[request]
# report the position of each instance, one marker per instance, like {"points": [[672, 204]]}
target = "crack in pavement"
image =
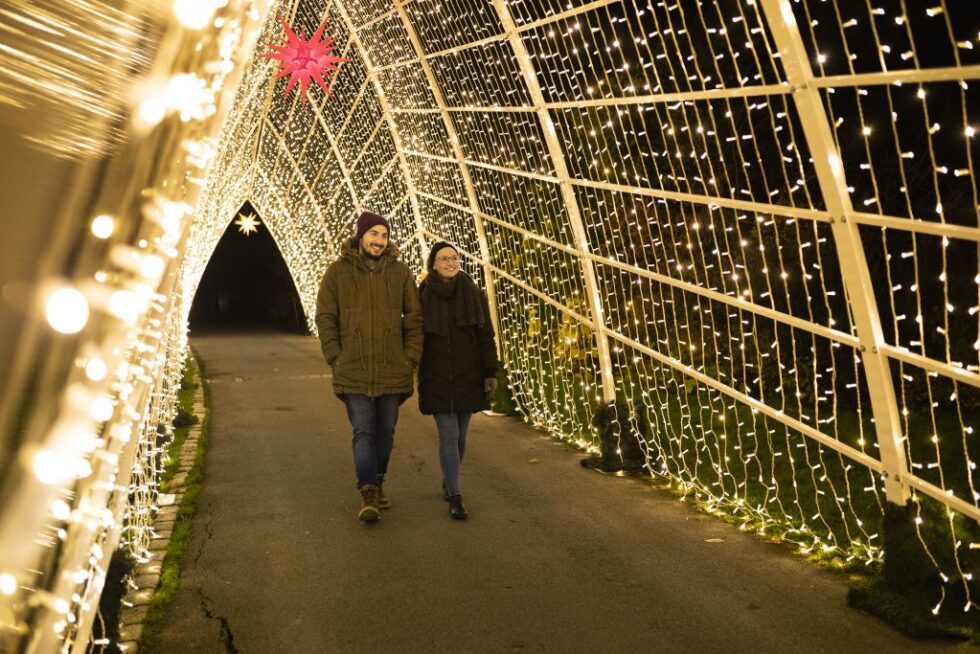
{"points": [[226, 634], [209, 536]]}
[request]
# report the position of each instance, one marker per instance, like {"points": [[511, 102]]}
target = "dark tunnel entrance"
{"points": [[246, 284]]}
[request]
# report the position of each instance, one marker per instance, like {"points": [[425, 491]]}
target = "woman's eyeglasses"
{"points": [[453, 259]]}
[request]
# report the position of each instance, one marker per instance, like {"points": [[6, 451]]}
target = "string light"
{"points": [[103, 226], [8, 584], [196, 14], [94, 457], [67, 310]]}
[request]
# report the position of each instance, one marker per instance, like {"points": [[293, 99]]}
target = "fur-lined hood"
{"points": [[351, 251]]}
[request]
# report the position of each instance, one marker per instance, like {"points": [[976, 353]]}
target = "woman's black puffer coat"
{"points": [[453, 367]]}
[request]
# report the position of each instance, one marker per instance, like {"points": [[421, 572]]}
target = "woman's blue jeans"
{"points": [[452, 443], [373, 420]]}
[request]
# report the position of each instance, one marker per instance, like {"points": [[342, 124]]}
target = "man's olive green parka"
{"points": [[370, 323]]}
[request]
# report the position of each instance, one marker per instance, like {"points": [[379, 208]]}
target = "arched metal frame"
{"points": [[568, 193], [803, 88], [471, 196], [383, 101], [857, 280]]}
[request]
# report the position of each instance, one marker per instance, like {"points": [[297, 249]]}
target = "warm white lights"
{"points": [[90, 462], [60, 510], [101, 409], [8, 584], [185, 94], [196, 14], [151, 267], [170, 215], [96, 369], [66, 310], [151, 110], [188, 95], [53, 467], [103, 226], [125, 305]]}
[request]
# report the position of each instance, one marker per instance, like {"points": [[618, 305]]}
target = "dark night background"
{"points": [[247, 285]]}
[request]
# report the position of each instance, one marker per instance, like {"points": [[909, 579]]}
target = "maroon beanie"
{"points": [[367, 220]]}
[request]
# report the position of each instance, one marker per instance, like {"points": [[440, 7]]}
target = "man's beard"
{"points": [[374, 257]]}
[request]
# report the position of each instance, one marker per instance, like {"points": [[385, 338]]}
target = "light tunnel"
{"points": [[733, 245]]}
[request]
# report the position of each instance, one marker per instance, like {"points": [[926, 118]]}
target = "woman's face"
{"points": [[446, 263]]}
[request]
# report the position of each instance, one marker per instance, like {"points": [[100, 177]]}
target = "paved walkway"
{"points": [[554, 558]]}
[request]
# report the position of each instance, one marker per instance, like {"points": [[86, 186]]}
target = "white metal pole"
{"points": [[557, 155], [847, 238], [460, 160]]}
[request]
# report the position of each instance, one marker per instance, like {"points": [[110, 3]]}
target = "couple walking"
{"points": [[375, 328]]}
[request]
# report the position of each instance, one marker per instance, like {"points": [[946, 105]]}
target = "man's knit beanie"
{"points": [[367, 220]]}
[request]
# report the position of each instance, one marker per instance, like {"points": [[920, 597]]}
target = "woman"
{"points": [[458, 373]]}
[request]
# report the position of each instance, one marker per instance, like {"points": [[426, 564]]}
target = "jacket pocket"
{"points": [[350, 352], [396, 368]]}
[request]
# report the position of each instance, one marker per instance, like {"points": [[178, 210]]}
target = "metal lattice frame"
{"points": [[446, 166]]}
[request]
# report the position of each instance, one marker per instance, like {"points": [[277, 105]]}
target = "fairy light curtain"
{"points": [[655, 213]]}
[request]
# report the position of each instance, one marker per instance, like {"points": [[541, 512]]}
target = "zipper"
{"points": [[372, 368], [449, 345]]}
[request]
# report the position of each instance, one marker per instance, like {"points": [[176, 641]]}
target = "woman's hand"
{"points": [[490, 386]]}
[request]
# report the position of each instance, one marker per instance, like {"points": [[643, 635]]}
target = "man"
{"points": [[370, 323]]}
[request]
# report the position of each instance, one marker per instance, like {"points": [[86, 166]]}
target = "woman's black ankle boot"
{"points": [[456, 509]]}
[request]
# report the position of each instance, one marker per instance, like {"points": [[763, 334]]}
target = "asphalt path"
{"points": [[554, 557]]}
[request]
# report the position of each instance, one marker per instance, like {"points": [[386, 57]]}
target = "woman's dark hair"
{"points": [[431, 262]]}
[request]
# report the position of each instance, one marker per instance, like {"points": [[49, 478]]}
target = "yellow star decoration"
{"points": [[247, 224]]}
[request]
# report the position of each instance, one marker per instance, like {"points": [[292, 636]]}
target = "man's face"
{"points": [[374, 242]]}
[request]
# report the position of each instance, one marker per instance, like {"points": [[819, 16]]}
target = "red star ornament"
{"points": [[304, 60]]}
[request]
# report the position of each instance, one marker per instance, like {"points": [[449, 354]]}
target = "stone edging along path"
{"points": [[146, 576]]}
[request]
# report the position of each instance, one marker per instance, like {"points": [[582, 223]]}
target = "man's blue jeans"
{"points": [[373, 420], [452, 444]]}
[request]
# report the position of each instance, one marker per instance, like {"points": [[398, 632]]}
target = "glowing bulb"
{"points": [[125, 306], [151, 267], [60, 510], [194, 14], [173, 215], [8, 584], [67, 311], [96, 369], [103, 226], [151, 111], [51, 467], [101, 409]]}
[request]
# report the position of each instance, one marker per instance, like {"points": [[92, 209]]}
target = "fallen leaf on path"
{"points": [[714, 540], [533, 461]]}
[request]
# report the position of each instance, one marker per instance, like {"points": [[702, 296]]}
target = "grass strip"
{"points": [[181, 537]]}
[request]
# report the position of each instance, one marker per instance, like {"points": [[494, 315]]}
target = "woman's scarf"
{"points": [[439, 296]]}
